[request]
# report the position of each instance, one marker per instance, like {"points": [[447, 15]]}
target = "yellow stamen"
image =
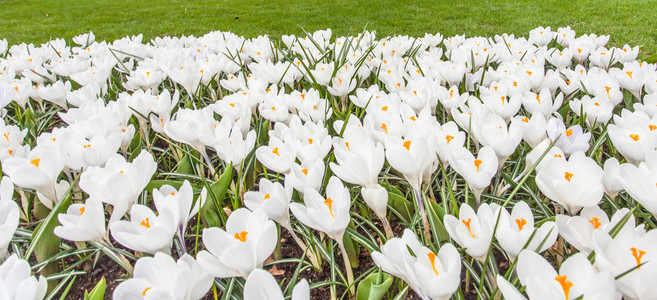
{"points": [[635, 137], [569, 132], [241, 236], [565, 284], [467, 224], [595, 222], [346, 144], [477, 162], [384, 127], [329, 202], [407, 145], [82, 210], [146, 223], [568, 176], [432, 259], [449, 138], [275, 151], [637, 255], [267, 197], [305, 172], [521, 223], [35, 162], [145, 290]]}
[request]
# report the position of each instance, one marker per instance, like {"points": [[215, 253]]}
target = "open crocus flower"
{"points": [[571, 139], [16, 282], [38, 171], [633, 140], [179, 203], [492, 131], [576, 278], [578, 230], [83, 222], [533, 128], [145, 232], [161, 277], [9, 214], [119, 183], [631, 250], [430, 275], [310, 174], [261, 285], [274, 199], [473, 231], [329, 215], [277, 156], [249, 238], [477, 172], [515, 231], [574, 184]]}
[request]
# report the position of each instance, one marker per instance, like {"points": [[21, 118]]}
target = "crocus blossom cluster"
{"points": [[531, 145]]}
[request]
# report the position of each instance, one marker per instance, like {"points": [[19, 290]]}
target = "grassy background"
{"points": [[630, 21]]}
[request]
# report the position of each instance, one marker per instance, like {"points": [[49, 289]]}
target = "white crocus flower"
{"points": [[473, 231], [261, 285], [16, 282], [179, 203], [515, 231], [83, 222], [119, 183], [430, 275], [578, 230], [249, 238], [640, 182], [631, 250], [38, 171], [477, 171], [574, 184], [145, 232], [576, 277], [9, 214], [571, 139], [161, 277], [277, 155]]}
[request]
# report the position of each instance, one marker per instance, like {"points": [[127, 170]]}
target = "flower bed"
{"points": [[430, 167]]}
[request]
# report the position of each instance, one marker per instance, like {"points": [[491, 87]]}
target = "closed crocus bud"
{"points": [[376, 197], [9, 214], [576, 278], [574, 184], [611, 179], [515, 231], [478, 171], [161, 277], [639, 181], [633, 251], [16, 282], [261, 285], [179, 203], [249, 238], [119, 183], [145, 232], [473, 231], [83, 222], [430, 275]]}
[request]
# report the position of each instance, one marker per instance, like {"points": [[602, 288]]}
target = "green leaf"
{"points": [[185, 165], [374, 286], [436, 214], [98, 292], [45, 243], [351, 247], [217, 193], [401, 205], [156, 184], [211, 218]]}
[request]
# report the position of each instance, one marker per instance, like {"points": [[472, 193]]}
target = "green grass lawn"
{"points": [[631, 22]]}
